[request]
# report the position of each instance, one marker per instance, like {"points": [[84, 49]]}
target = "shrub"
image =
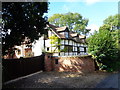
{"points": [[103, 47]]}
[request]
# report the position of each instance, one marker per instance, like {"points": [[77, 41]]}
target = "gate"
{"points": [[14, 68]]}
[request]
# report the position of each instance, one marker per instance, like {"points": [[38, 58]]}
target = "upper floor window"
{"points": [[66, 34]]}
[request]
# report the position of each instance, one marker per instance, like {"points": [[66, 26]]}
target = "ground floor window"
{"points": [[47, 48]]}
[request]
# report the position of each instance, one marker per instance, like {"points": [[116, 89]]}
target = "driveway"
{"points": [[65, 80], [112, 81]]}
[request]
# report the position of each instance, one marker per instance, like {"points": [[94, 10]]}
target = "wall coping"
{"points": [[75, 56]]}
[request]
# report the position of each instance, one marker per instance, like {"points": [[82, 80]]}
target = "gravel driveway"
{"points": [[59, 80]]}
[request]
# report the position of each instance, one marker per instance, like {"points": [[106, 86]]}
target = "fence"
{"points": [[14, 68]]}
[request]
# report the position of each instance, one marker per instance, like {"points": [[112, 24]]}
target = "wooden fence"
{"points": [[14, 68]]}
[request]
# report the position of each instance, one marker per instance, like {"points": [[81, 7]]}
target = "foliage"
{"points": [[66, 49], [111, 23], [103, 47], [73, 20], [112, 20], [20, 20], [105, 27], [55, 41]]}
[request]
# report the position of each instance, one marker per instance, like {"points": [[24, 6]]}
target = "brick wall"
{"points": [[76, 64], [48, 62], [73, 64]]}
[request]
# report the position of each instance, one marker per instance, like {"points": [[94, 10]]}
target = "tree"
{"points": [[102, 46], [73, 20], [112, 22], [20, 20]]}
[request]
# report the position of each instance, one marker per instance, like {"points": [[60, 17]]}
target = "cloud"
{"points": [[89, 2], [65, 0], [72, 0], [93, 27], [65, 7]]}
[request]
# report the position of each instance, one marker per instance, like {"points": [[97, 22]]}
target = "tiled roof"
{"points": [[61, 28], [52, 26], [72, 35], [82, 36]]}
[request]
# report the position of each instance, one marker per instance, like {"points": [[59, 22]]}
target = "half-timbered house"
{"points": [[71, 43]]}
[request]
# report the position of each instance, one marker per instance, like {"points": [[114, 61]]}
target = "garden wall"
{"points": [[74, 64]]}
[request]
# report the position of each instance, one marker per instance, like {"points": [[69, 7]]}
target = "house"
{"points": [[60, 41], [24, 50], [70, 43]]}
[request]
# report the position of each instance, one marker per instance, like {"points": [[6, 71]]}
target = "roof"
{"points": [[61, 28], [72, 35], [52, 26], [82, 36]]}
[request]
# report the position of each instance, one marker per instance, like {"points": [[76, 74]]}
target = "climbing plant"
{"points": [[56, 42]]}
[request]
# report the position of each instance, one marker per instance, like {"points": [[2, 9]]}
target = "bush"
{"points": [[103, 47]]}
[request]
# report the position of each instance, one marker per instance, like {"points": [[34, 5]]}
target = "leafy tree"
{"points": [[73, 20], [20, 20], [111, 23], [102, 45]]}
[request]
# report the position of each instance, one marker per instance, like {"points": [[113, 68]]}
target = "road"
{"points": [[112, 81]]}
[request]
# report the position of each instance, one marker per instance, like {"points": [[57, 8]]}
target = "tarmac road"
{"points": [[112, 81]]}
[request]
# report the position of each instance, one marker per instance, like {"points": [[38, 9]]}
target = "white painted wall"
{"points": [[38, 47], [49, 33], [47, 43], [55, 54]]}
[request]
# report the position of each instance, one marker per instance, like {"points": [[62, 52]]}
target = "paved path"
{"points": [[112, 81]]}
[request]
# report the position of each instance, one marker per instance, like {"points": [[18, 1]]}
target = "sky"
{"points": [[94, 10]]}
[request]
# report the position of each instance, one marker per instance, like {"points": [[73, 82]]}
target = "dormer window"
{"points": [[66, 34]]}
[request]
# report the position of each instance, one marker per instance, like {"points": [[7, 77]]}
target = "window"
{"points": [[78, 49], [18, 51], [65, 48], [84, 49], [70, 48], [56, 61], [47, 48], [66, 34]]}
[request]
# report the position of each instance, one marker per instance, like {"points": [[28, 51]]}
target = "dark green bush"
{"points": [[103, 46]]}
